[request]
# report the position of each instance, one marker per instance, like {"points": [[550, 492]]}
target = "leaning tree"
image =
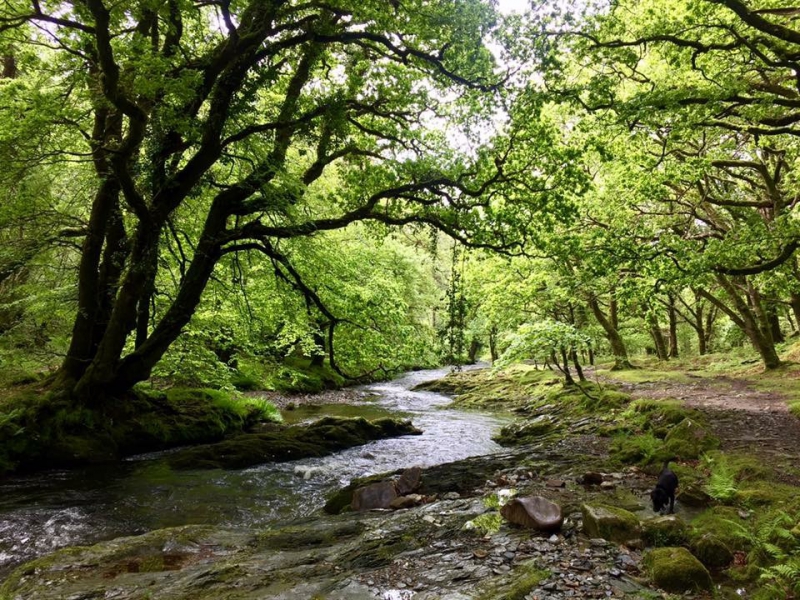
{"points": [[231, 113]]}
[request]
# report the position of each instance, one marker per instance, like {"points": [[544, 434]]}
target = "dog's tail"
{"points": [[666, 465]]}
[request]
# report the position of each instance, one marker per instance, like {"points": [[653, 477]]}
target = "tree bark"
{"points": [[673, 327], [577, 364], [658, 336], [568, 380], [750, 320], [794, 302], [621, 361]]}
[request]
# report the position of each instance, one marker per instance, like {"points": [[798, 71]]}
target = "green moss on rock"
{"points": [[320, 438], [669, 530], [689, 439], [526, 432], [676, 570], [524, 579], [642, 449], [610, 523], [712, 551], [725, 524], [622, 498]]}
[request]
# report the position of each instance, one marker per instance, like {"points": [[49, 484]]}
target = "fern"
{"points": [[783, 578], [722, 483]]}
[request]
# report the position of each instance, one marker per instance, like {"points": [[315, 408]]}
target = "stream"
{"points": [[46, 511]]}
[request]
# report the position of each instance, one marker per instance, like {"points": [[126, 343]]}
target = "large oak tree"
{"points": [[231, 112]]}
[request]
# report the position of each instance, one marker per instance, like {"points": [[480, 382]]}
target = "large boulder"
{"points": [[377, 495], [534, 512], [712, 551], [610, 523], [668, 530], [676, 570], [688, 440]]}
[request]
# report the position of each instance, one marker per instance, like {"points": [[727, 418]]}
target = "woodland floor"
{"points": [[742, 416]]}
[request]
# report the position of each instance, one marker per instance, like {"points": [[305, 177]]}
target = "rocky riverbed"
{"points": [[584, 452], [453, 546]]}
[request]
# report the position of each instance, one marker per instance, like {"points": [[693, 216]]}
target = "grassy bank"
{"points": [[41, 430], [744, 505]]}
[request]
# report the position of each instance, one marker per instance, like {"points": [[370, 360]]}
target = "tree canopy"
{"points": [[281, 177]]}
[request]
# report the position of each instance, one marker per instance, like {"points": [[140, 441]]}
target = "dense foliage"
{"points": [[237, 192]]}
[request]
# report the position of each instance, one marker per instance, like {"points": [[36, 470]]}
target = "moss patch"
{"points": [[725, 524], [689, 439], [524, 579], [676, 570], [665, 531], [794, 408]]}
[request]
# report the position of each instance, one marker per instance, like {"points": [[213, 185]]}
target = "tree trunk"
{"points": [[568, 380], [89, 324], [472, 353], [673, 328], [9, 67], [658, 337], [493, 343], [621, 361], [775, 324], [749, 315], [577, 364], [613, 310], [794, 302]]}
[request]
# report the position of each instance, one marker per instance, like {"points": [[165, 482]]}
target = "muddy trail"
{"points": [[743, 417]]}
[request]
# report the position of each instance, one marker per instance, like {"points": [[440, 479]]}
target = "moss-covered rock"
{"points": [[51, 430], [724, 523], [320, 438], [610, 523], [689, 439], [693, 494], [712, 551], [676, 570], [668, 530], [526, 432], [643, 449], [622, 498]]}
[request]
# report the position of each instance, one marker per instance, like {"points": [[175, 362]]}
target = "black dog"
{"points": [[665, 490]]}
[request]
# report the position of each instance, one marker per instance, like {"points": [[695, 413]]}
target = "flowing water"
{"points": [[46, 511]]}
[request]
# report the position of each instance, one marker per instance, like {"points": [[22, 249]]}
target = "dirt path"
{"points": [[744, 418]]}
